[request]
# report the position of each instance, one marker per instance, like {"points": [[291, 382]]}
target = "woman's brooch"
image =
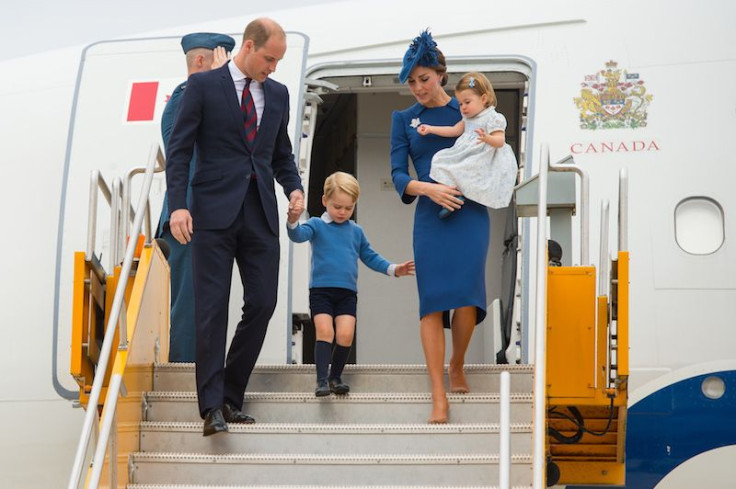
{"points": [[415, 122]]}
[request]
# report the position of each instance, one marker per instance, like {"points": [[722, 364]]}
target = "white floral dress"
{"points": [[481, 172]]}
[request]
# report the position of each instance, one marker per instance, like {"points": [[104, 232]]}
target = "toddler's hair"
{"points": [[478, 83], [344, 182]]}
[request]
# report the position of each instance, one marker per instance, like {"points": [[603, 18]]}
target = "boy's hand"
{"points": [[406, 268], [424, 129], [296, 207]]}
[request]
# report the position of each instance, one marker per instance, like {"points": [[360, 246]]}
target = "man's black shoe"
{"points": [[235, 415], [322, 389], [214, 422], [338, 386]]}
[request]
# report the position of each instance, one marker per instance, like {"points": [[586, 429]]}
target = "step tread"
{"points": [[304, 428], [362, 368], [190, 486], [308, 397], [229, 458]]}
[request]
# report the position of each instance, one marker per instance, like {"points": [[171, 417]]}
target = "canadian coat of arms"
{"points": [[613, 99]]}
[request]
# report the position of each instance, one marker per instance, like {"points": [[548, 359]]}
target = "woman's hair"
{"points": [[441, 67], [478, 83], [344, 182]]}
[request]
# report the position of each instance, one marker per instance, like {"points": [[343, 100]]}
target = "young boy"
{"points": [[337, 243]]}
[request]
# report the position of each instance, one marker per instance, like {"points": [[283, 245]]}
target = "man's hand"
{"points": [[406, 268], [219, 57], [296, 202], [296, 207], [181, 226]]}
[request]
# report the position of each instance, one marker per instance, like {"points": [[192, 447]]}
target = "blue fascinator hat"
{"points": [[422, 52]]}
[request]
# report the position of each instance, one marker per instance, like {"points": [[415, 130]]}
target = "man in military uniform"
{"points": [[204, 51]]}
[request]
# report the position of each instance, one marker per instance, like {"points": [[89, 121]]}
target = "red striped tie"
{"points": [[250, 119]]}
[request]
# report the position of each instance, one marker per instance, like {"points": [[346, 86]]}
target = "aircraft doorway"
{"points": [[352, 134]]}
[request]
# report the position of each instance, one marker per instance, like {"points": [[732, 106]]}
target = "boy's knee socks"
{"points": [[322, 351], [339, 358]]}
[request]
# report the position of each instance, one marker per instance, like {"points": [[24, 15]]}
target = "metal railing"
{"points": [[623, 210], [120, 215], [97, 184], [603, 264], [128, 214], [156, 163], [504, 449], [540, 331], [563, 166]]}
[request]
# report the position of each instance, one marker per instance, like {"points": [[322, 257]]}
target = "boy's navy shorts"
{"points": [[334, 301]]}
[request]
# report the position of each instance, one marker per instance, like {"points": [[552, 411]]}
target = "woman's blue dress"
{"points": [[450, 254]]}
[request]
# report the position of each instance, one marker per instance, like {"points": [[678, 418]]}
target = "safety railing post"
{"points": [[540, 331], [505, 432]]}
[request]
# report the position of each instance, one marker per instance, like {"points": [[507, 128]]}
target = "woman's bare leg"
{"points": [[463, 324], [433, 342]]}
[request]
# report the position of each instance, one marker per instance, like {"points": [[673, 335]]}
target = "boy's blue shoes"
{"points": [[446, 212], [335, 385], [339, 387], [322, 389]]}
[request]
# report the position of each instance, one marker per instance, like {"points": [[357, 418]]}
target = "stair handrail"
{"points": [[115, 224], [623, 210], [97, 184], [604, 267], [155, 158], [504, 449], [604, 264], [540, 331], [128, 213], [564, 166]]}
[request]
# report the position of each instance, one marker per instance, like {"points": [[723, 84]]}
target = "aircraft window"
{"points": [[713, 387], [699, 225]]}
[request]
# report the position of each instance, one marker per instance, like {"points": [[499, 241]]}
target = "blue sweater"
{"points": [[335, 252]]}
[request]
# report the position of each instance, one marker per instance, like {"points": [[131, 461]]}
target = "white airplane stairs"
{"points": [[376, 436]]}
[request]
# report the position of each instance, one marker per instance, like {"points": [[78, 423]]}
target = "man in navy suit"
{"points": [[233, 215], [204, 51]]}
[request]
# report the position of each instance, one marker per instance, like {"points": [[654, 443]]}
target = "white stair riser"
{"points": [[304, 381], [344, 412], [428, 443], [325, 474]]}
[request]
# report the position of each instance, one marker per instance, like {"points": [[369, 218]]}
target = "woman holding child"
{"points": [[450, 254]]}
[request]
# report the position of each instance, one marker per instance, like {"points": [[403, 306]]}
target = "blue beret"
{"points": [[207, 40], [422, 51]]}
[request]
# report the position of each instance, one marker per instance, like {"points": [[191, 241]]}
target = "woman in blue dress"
{"points": [[450, 254]]}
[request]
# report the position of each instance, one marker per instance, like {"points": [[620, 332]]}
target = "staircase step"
{"points": [[187, 468], [362, 378], [269, 407], [208, 486], [324, 439]]}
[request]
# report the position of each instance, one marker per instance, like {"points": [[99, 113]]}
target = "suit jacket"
{"points": [[167, 123], [210, 117]]}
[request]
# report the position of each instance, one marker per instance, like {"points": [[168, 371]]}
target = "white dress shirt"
{"points": [[256, 89]]}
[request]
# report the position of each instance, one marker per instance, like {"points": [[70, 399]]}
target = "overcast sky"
{"points": [[40, 25]]}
